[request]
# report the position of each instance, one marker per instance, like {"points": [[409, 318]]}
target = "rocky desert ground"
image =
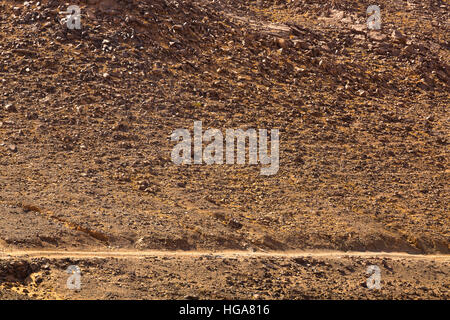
{"points": [[87, 178]]}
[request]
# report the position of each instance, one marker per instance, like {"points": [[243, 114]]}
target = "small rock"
{"points": [[10, 108], [398, 36], [233, 223], [120, 126], [361, 93], [31, 116], [12, 147], [177, 27], [377, 36], [323, 65], [301, 44], [140, 243], [38, 279], [143, 185], [283, 43]]}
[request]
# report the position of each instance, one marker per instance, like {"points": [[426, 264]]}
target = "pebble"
{"points": [[12, 147], [10, 108]]}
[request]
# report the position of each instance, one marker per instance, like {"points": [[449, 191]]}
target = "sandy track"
{"points": [[217, 254]]}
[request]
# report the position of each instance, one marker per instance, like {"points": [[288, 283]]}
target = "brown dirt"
{"points": [[86, 117], [223, 275]]}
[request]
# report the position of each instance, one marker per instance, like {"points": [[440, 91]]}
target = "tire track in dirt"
{"points": [[218, 254]]}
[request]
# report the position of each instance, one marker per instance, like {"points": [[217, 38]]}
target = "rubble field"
{"points": [[86, 117]]}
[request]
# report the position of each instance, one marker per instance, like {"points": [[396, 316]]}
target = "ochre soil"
{"points": [[85, 151]]}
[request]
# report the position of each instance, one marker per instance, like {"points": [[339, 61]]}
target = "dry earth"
{"points": [[223, 275], [85, 152]]}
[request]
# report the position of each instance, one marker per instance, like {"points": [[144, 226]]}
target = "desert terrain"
{"points": [[87, 179]]}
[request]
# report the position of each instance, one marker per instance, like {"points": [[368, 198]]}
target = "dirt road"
{"points": [[131, 254]]}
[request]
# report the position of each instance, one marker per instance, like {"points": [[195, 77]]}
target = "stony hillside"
{"points": [[86, 117]]}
